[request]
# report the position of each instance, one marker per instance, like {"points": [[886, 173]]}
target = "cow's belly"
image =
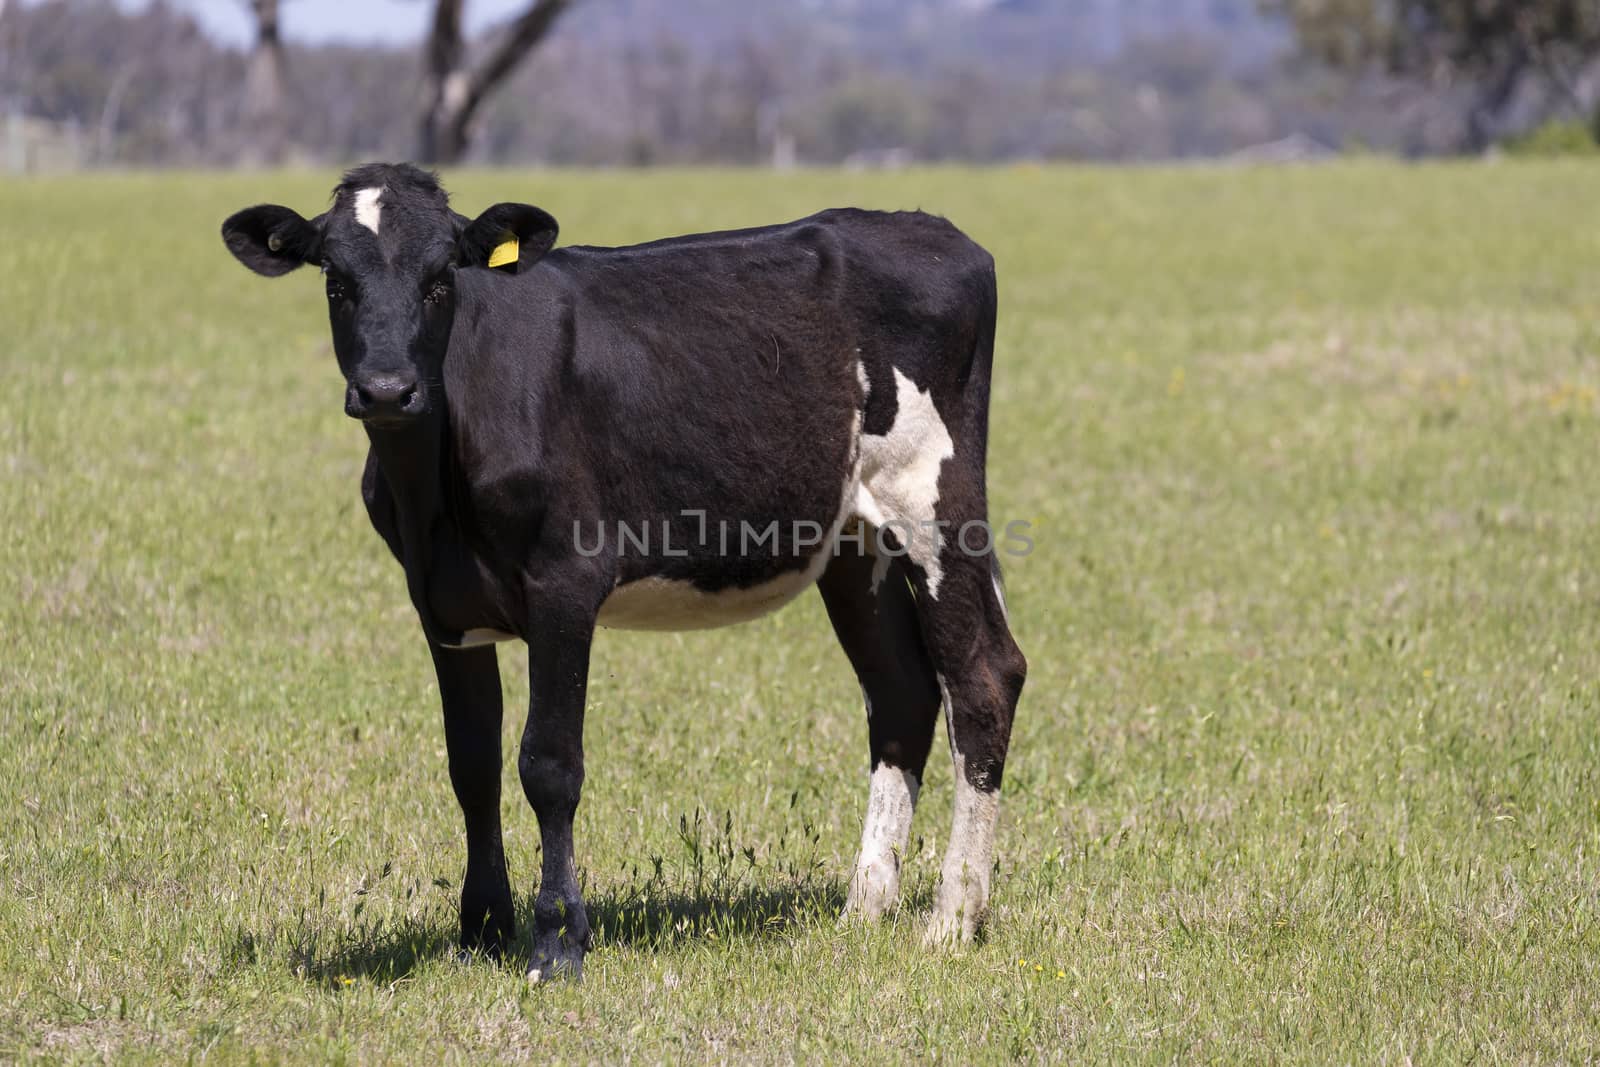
{"points": [[672, 604]]}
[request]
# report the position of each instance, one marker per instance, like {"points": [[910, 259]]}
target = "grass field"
{"points": [[1308, 766]]}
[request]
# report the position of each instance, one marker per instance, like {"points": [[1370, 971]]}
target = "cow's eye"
{"points": [[437, 292], [336, 290]]}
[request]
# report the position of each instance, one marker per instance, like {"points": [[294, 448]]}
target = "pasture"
{"points": [[1307, 768]]}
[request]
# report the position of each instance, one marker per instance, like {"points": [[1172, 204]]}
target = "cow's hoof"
{"points": [[555, 959], [947, 931], [482, 952], [874, 891], [954, 922]]}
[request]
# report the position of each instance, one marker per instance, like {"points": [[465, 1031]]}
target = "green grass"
{"points": [[1308, 766]]}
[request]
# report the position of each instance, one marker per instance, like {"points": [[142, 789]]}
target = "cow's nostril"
{"points": [[386, 396]]}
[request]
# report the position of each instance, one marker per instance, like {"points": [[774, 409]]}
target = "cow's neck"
{"points": [[411, 458]]}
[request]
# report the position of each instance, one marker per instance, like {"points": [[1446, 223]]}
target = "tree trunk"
{"points": [[263, 100], [446, 124], [452, 95], [1484, 119]]}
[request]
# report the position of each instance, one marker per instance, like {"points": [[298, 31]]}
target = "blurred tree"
{"points": [[1491, 46], [453, 93], [264, 127], [680, 81]]}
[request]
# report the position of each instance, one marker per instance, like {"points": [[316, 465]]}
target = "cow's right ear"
{"points": [[272, 240]]}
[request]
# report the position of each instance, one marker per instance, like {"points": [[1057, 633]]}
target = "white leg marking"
{"points": [[963, 898], [876, 885], [368, 210], [900, 477]]}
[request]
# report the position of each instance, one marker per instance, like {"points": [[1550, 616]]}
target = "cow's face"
{"points": [[390, 249]]}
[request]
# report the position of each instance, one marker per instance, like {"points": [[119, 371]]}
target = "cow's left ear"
{"points": [[534, 230], [272, 240]]}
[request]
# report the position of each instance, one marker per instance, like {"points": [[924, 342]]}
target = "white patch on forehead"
{"points": [[368, 210], [900, 477], [890, 804]]}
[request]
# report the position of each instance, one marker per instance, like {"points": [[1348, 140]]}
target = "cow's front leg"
{"points": [[551, 764], [469, 689]]}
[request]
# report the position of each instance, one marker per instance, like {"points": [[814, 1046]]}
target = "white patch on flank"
{"points": [[483, 635], [368, 210], [900, 477], [876, 885], [963, 897], [654, 603]]}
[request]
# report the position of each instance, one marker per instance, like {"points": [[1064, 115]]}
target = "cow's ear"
{"points": [[533, 230], [272, 240]]}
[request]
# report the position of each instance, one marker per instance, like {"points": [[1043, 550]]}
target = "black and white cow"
{"points": [[676, 435]]}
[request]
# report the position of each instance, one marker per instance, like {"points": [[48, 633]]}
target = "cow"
{"points": [[675, 435]]}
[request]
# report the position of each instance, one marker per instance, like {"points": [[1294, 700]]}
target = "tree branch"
{"points": [[527, 31], [454, 95]]}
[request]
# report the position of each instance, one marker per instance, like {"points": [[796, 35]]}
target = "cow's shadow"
{"points": [[664, 919], [631, 918], [382, 957]]}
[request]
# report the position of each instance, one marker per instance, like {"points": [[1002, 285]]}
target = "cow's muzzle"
{"points": [[386, 398]]}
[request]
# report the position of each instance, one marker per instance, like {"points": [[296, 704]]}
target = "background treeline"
{"points": [[814, 81]]}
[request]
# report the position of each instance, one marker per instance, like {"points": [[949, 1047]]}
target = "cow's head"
{"points": [[389, 249]]}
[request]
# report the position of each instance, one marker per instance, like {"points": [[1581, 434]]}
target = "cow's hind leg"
{"points": [[980, 672], [875, 618]]}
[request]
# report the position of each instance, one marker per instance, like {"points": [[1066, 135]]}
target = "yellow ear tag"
{"points": [[505, 253]]}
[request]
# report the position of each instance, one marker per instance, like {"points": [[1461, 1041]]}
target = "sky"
{"points": [[355, 21]]}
